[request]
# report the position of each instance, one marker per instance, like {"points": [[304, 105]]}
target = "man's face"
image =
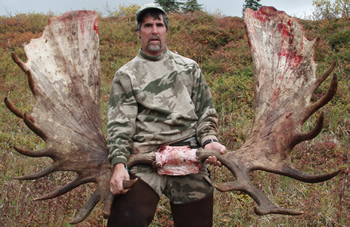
{"points": [[153, 35]]}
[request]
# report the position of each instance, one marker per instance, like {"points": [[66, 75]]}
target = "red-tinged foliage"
{"points": [[12, 40]]}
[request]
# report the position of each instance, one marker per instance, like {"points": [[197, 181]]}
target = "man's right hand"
{"points": [[119, 174]]}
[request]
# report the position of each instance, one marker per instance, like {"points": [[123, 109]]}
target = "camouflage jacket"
{"points": [[156, 101]]}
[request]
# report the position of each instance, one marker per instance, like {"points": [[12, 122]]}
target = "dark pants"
{"points": [[137, 208]]}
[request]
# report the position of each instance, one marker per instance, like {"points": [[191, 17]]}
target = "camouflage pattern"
{"points": [[179, 189], [156, 101]]}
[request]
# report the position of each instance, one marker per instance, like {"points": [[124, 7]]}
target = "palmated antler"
{"points": [[63, 70], [285, 79]]}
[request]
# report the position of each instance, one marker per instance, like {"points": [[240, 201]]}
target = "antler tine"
{"points": [[147, 158], [328, 96], [100, 194], [40, 153], [301, 176], [325, 75], [38, 175], [108, 205], [324, 100], [29, 122], [87, 208], [62, 190], [27, 71], [265, 206], [20, 63], [298, 138], [263, 210], [13, 108]]}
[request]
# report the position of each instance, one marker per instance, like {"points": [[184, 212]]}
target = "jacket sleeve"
{"points": [[205, 110], [122, 111]]}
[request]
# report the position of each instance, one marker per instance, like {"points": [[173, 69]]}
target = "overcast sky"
{"points": [[298, 8]]}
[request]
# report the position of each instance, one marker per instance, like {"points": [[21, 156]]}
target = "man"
{"points": [[159, 98]]}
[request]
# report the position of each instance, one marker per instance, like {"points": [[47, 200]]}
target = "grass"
{"points": [[229, 74]]}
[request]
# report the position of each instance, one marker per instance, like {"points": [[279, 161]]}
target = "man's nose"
{"points": [[155, 29]]}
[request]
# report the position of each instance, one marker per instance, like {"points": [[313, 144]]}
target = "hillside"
{"points": [[220, 46]]}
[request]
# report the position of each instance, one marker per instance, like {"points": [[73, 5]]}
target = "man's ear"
{"points": [[138, 33]]}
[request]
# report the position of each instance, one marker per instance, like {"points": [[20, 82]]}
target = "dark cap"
{"points": [[146, 7]]}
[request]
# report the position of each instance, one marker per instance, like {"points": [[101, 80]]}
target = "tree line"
{"points": [[324, 9], [192, 5]]}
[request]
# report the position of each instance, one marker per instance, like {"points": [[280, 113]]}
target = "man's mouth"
{"points": [[154, 39]]}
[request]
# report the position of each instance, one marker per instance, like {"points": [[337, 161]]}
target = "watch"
{"points": [[208, 142]]}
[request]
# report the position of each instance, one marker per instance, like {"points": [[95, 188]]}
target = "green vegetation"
{"points": [[326, 9], [179, 6], [220, 46], [251, 4], [169, 5]]}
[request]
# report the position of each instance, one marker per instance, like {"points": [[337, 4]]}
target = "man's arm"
{"points": [[207, 124], [122, 110], [205, 110]]}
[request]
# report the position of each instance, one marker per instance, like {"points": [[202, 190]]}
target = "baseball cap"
{"points": [[146, 7]]}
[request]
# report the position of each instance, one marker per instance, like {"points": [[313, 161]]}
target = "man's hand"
{"points": [[212, 160], [119, 174]]}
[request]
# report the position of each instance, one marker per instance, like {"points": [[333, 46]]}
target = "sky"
{"points": [[296, 8]]}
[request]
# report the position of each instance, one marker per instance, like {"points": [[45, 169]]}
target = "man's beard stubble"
{"points": [[154, 47]]}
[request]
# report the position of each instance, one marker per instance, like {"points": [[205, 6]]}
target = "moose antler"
{"points": [[63, 70], [284, 81]]}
